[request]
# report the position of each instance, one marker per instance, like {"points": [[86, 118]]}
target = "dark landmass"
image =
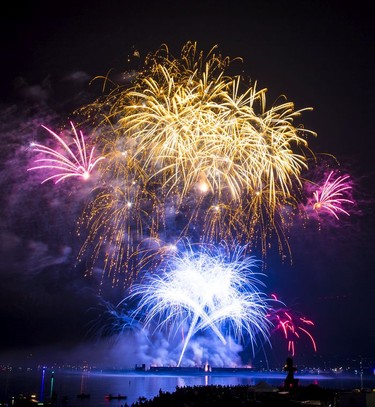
{"points": [[262, 394]]}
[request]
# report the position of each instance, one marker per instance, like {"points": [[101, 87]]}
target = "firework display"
{"points": [[188, 151]]}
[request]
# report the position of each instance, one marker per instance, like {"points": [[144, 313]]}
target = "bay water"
{"points": [[67, 385]]}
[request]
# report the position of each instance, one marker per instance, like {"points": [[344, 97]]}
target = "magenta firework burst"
{"points": [[292, 325], [332, 197], [72, 161]]}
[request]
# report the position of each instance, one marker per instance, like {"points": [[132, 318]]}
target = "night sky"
{"points": [[317, 53]]}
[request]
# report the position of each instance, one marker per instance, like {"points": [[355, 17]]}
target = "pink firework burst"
{"points": [[333, 195], [291, 326], [68, 163]]}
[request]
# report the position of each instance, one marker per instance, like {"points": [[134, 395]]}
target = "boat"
{"points": [[115, 397], [83, 396]]}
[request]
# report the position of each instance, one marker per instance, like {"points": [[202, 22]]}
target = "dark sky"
{"points": [[318, 53]]}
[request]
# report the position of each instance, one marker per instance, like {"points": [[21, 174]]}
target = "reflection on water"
{"points": [[67, 385], [84, 379]]}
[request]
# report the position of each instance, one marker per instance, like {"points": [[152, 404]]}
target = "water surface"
{"points": [[66, 385]]}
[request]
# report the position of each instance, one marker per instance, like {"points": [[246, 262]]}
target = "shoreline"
{"points": [[155, 387], [261, 394]]}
